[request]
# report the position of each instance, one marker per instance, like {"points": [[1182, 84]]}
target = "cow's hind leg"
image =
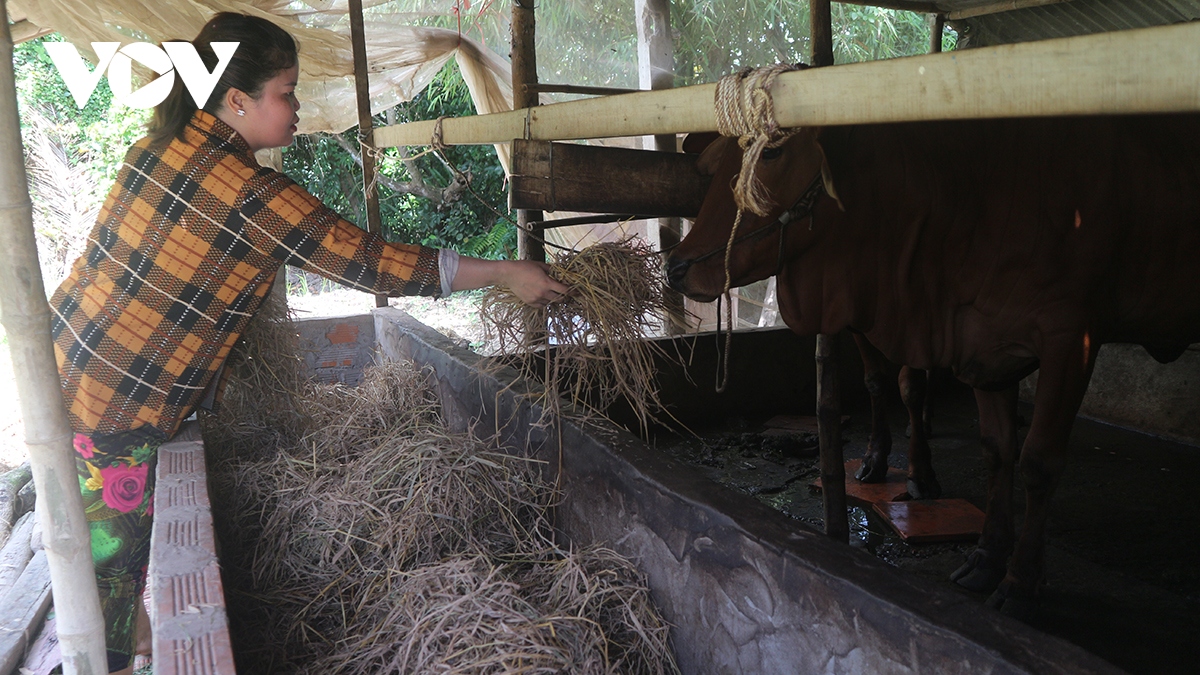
{"points": [[985, 567], [1061, 384], [922, 481], [874, 462]]}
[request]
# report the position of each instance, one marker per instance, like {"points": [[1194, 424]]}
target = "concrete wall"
{"points": [[1132, 390], [336, 349], [747, 589]]}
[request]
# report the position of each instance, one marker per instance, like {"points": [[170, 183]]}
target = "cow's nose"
{"points": [[676, 270]]}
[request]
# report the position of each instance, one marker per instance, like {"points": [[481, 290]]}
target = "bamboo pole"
{"points": [[1148, 70], [366, 128], [26, 318], [524, 72]]}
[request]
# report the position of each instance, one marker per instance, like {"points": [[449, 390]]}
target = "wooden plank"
{"points": [[997, 7], [22, 608], [929, 521], [16, 553], [866, 494], [11, 484], [569, 177], [1134, 71]]}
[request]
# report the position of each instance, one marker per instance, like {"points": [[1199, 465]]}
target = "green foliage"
{"points": [[717, 37], [72, 155], [98, 135], [469, 224]]}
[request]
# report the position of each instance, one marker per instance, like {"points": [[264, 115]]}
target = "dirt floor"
{"points": [[1124, 535]]}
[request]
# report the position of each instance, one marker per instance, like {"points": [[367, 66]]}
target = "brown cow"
{"points": [[994, 248]]}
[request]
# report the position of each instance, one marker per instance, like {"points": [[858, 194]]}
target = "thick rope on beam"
{"points": [[745, 110]]}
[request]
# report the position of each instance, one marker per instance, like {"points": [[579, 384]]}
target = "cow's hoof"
{"points": [[924, 489], [873, 470], [1013, 601], [981, 573]]}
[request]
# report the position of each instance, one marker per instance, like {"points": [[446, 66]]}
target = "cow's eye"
{"points": [[772, 153]]}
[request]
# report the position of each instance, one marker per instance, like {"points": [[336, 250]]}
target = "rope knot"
{"points": [[745, 110]]}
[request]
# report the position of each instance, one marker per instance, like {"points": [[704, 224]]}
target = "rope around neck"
{"points": [[745, 109]]}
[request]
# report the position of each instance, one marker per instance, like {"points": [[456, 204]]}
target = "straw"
{"points": [[598, 335], [360, 536]]}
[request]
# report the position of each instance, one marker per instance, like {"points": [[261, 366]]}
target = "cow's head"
{"points": [[696, 267]]}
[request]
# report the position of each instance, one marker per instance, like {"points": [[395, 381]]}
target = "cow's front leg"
{"points": [[874, 462], [986, 565], [1061, 384], [922, 481]]}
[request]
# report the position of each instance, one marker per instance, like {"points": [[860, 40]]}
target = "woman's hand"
{"points": [[529, 281], [526, 279]]}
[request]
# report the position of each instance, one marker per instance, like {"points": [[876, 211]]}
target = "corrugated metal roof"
{"points": [[1065, 19]]}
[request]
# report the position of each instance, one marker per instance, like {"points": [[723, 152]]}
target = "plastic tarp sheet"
{"points": [[403, 58]]}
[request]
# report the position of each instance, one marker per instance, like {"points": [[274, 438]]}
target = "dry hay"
{"points": [[597, 334], [261, 411], [377, 542]]}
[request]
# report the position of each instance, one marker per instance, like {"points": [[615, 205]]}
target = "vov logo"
{"points": [[179, 57]]}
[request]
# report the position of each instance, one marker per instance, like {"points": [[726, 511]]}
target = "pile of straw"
{"points": [[372, 540], [597, 334]]}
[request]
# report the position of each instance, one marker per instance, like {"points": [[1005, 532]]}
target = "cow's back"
{"points": [[981, 237]]}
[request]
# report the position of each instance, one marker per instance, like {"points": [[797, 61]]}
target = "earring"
{"points": [[241, 113]]}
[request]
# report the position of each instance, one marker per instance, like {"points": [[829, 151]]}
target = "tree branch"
{"points": [[417, 185]]}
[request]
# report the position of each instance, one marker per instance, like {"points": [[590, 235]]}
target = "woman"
{"points": [[183, 253]]}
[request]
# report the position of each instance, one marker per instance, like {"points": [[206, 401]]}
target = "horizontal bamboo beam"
{"points": [[1135, 71]]}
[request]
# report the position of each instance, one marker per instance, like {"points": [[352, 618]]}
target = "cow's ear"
{"points": [[711, 158], [827, 177]]}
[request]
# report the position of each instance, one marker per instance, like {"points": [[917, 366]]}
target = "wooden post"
{"points": [[48, 437], [656, 70], [829, 404], [937, 26], [821, 20], [366, 129], [524, 71], [829, 430]]}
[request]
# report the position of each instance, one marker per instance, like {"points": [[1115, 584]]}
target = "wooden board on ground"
{"points": [[867, 494], [44, 654], [929, 521], [21, 609]]}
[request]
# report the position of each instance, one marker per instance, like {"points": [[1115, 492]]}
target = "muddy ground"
{"points": [[1124, 536]]}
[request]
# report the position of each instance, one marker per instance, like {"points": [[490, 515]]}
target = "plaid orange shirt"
{"points": [[183, 253]]}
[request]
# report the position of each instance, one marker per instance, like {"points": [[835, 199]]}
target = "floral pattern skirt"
{"points": [[116, 478]]}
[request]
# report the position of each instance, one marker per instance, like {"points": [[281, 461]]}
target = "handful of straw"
{"points": [[597, 333]]}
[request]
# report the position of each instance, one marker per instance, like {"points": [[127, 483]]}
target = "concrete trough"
{"points": [[747, 589]]}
